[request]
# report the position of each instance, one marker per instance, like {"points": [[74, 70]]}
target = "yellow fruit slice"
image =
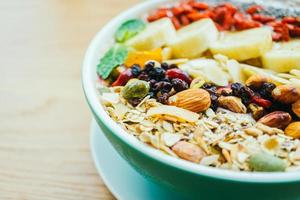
{"points": [[243, 45], [192, 40], [141, 57], [155, 35], [207, 69], [283, 57], [178, 113]]}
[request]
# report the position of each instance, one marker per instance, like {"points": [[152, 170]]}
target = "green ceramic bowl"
{"points": [[192, 180]]}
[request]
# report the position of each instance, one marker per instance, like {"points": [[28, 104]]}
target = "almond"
{"points": [[256, 80], [196, 100], [296, 108], [232, 103], [286, 94], [293, 130], [277, 119], [188, 151]]}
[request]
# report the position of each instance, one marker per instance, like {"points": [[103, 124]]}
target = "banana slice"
{"points": [[243, 45], [207, 69], [155, 35], [235, 71], [194, 39], [283, 57]]}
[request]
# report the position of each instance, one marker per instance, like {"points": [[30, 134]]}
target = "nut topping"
{"points": [[296, 108], [196, 100], [293, 130], [277, 119], [188, 151], [256, 80], [232, 103], [286, 94]]}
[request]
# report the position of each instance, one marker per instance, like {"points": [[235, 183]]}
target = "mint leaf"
{"points": [[113, 57], [129, 29]]}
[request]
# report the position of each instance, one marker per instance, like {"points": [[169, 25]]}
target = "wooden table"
{"points": [[44, 120]]}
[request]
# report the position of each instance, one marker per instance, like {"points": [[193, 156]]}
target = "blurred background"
{"points": [[44, 120]]}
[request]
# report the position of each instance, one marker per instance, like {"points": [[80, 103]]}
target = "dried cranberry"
{"points": [[261, 102], [179, 84], [178, 73], [123, 78], [136, 70]]}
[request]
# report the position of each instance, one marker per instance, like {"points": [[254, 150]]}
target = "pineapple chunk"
{"points": [[243, 45], [283, 57], [194, 39], [155, 35]]}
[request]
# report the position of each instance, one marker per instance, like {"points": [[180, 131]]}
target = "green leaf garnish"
{"points": [[129, 29], [113, 57]]}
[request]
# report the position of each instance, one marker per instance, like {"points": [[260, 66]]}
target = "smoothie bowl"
{"points": [[202, 97]]}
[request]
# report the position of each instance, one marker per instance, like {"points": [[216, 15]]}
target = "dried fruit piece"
{"points": [[296, 108], [261, 102], [257, 80], [178, 73], [293, 130], [196, 100], [266, 163], [141, 57], [232, 103], [123, 78], [277, 119], [188, 151], [286, 94]]}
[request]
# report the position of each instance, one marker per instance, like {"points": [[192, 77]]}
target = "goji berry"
{"points": [[263, 18], [198, 15], [295, 32], [253, 9], [199, 5], [177, 10], [176, 23], [178, 73], [184, 20], [276, 36]]}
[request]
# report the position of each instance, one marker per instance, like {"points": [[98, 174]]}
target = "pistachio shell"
{"points": [[266, 163], [135, 89]]}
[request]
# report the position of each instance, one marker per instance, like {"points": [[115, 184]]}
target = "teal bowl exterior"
{"points": [[191, 180]]}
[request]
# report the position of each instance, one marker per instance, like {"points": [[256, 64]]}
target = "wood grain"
{"points": [[44, 120]]}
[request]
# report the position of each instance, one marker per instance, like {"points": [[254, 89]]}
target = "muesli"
{"points": [[213, 84]]}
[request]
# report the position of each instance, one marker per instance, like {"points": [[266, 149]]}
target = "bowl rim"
{"points": [[88, 84]]}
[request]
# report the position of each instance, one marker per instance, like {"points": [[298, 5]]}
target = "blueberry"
{"points": [[157, 73], [136, 70], [163, 87], [149, 66], [165, 66]]}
